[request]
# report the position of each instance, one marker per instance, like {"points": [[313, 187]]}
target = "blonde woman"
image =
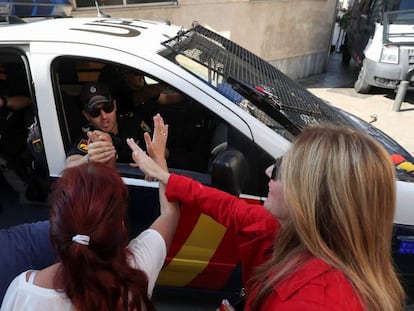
{"points": [[323, 239]]}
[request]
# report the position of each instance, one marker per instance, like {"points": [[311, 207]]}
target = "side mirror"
{"points": [[230, 171]]}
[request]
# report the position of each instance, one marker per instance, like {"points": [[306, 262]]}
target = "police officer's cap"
{"points": [[93, 94]]}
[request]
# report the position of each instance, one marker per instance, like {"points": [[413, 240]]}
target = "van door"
{"points": [[201, 144], [22, 158]]}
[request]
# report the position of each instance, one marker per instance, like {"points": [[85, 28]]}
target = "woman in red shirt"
{"points": [[323, 239]]}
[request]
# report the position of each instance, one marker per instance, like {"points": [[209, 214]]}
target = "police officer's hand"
{"points": [[98, 135], [100, 147]]}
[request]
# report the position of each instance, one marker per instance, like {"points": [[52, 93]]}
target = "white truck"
{"points": [[380, 39]]}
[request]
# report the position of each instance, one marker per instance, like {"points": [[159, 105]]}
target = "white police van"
{"points": [[379, 37], [237, 115]]}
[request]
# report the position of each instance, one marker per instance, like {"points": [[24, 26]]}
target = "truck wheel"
{"points": [[361, 85]]}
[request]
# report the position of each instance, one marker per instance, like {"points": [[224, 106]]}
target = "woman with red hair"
{"points": [[98, 268]]}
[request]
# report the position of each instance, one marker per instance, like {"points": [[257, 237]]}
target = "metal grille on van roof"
{"points": [[228, 59]]}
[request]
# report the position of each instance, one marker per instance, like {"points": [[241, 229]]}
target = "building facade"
{"points": [[293, 35]]}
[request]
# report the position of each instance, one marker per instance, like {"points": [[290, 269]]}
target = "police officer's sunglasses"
{"points": [[107, 108]]}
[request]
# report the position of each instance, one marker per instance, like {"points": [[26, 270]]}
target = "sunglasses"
{"points": [[276, 167], [107, 108]]}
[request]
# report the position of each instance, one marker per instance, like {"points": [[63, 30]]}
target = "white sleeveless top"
{"points": [[149, 251]]}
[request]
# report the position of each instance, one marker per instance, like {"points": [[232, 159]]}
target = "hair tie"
{"points": [[81, 239]]}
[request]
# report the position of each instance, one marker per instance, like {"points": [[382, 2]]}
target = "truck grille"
{"points": [[411, 57]]}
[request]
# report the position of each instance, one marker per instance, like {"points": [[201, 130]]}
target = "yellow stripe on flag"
{"points": [[181, 270]]}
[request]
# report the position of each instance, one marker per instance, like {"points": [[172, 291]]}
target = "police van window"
{"points": [[138, 97], [199, 140], [91, 3]]}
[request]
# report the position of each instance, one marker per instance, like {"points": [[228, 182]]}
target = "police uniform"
{"points": [[130, 125], [13, 134]]}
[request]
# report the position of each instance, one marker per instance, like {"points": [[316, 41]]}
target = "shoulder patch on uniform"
{"points": [[83, 145]]}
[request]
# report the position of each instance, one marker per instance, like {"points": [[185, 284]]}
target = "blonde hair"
{"points": [[339, 187]]}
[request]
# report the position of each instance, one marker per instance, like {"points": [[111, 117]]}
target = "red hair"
{"points": [[91, 199]]}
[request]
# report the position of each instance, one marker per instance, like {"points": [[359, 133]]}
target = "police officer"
{"points": [[14, 157], [105, 139]]}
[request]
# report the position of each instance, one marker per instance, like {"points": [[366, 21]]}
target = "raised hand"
{"points": [[156, 147], [147, 165]]}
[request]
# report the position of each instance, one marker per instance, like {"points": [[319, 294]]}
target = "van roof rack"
{"points": [[13, 12]]}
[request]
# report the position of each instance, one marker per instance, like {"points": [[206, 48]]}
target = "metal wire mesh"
{"points": [[227, 59]]}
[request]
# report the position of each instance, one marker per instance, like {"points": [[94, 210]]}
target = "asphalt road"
{"points": [[336, 86]]}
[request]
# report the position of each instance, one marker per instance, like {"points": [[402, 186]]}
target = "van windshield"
{"points": [[400, 5], [398, 27]]}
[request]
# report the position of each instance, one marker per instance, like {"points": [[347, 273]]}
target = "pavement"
{"points": [[336, 86]]}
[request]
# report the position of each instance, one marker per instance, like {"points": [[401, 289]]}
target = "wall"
{"points": [[293, 35]]}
